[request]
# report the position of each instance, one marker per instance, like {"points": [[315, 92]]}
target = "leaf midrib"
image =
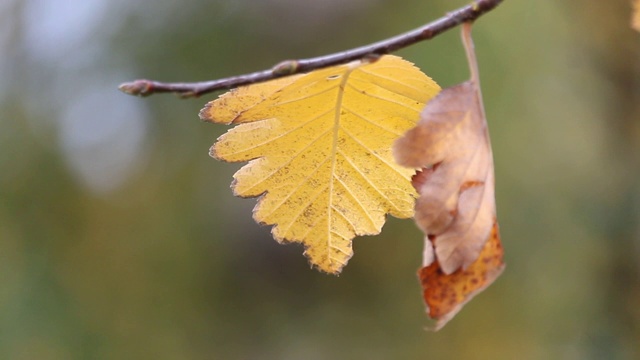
{"points": [[334, 150]]}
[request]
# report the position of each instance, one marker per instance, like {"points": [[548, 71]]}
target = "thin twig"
{"points": [[291, 67]]}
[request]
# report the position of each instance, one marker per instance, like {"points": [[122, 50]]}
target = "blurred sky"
{"points": [[120, 238]]}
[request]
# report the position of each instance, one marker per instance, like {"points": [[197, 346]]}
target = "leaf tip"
{"points": [[205, 112], [212, 152], [325, 263]]}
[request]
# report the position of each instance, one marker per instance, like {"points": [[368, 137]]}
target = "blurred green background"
{"points": [[120, 238]]}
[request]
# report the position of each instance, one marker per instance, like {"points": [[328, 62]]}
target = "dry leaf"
{"points": [[456, 208], [635, 19], [319, 151], [456, 204]]}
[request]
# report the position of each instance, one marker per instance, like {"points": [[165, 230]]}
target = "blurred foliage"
{"points": [[119, 236]]}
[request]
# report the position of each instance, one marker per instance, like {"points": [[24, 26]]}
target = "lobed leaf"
{"points": [[319, 151]]}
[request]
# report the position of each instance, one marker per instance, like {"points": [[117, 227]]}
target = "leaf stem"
{"points": [[464, 14], [469, 49]]}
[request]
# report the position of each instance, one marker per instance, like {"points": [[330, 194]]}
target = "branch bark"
{"points": [[464, 14]]}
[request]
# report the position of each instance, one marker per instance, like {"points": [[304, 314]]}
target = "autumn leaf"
{"points": [[456, 206], [319, 151], [456, 203], [635, 19]]}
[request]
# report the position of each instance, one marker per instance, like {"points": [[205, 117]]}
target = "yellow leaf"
{"points": [[319, 151]]}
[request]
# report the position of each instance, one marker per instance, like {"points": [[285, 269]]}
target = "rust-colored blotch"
{"points": [[445, 295]]}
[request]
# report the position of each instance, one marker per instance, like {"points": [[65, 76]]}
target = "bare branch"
{"points": [[290, 67]]}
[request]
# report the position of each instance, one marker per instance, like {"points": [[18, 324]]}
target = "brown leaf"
{"points": [[446, 294], [456, 204], [635, 18], [456, 207]]}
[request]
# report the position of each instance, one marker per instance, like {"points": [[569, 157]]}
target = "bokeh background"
{"points": [[120, 238]]}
